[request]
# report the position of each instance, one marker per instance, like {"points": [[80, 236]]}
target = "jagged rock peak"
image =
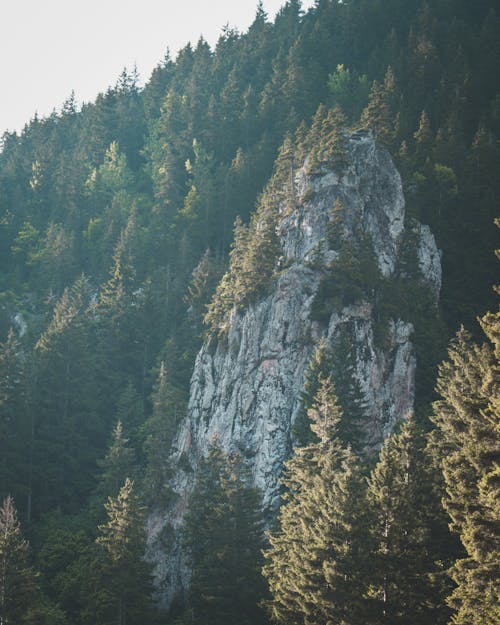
{"points": [[246, 386]]}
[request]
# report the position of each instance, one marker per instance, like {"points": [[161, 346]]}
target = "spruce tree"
{"points": [[18, 584], [224, 536], [320, 367], [169, 406], [118, 464], [466, 440], [122, 578], [405, 580], [315, 565], [14, 424], [378, 115], [68, 434], [351, 429]]}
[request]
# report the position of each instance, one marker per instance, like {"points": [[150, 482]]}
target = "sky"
{"points": [[49, 48]]}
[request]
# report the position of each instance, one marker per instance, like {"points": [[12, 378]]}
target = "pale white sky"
{"points": [[50, 47]]}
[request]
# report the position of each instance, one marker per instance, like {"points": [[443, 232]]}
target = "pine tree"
{"points": [[379, 113], [130, 413], [319, 368], [169, 406], [253, 257], [332, 147], [200, 289], [67, 430], [423, 140], [122, 576], [202, 203], [404, 583], [224, 535], [466, 439], [351, 430], [227, 295], [118, 464], [18, 585], [283, 180], [310, 144], [315, 565], [14, 425]]}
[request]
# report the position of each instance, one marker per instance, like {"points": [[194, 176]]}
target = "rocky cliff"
{"points": [[245, 389]]}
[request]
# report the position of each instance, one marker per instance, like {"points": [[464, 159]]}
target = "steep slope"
{"points": [[245, 388]]}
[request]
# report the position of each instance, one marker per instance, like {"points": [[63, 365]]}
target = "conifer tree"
{"points": [[404, 582], [283, 185], [14, 428], [351, 430], [168, 409], [224, 535], [252, 262], [315, 565], [379, 114], [332, 147], [122, 577], [319, 368], [18, 586], [201, 204], [67, 429], [312, 139], [423, 140], [226, 294], [466, 440], [200, 289], [117, 465], [130, 413]]}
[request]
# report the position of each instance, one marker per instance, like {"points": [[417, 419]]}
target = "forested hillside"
{"points": [[118, 220]]}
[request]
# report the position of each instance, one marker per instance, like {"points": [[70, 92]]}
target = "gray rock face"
{"points": [[245, 391]]}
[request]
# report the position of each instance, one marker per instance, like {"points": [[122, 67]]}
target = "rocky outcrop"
{"points": [[245, 389]]}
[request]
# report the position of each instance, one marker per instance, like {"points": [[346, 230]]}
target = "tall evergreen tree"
{"points": [[379, 114], [67, 430], [169, 405], [14, 425], [21, 602], [122, 578], [118, 464], [319, 368], [224, 534], [17, 578], [466, 439], [405, 580], [315, 565]]}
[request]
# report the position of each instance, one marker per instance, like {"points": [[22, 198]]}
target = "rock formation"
{"points": [[245, 389]]}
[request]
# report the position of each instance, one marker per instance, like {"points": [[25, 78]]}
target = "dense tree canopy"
{"points": [[119, 217]]}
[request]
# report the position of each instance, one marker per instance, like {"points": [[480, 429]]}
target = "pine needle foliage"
{"points": [[405, 582], [466, 441], [316, 559], [224, 535]]}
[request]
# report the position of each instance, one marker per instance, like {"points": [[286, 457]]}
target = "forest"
{"points": [[129, 232]]}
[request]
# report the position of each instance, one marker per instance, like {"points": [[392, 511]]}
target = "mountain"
{"points": [[246, 384], [197, 256]]}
